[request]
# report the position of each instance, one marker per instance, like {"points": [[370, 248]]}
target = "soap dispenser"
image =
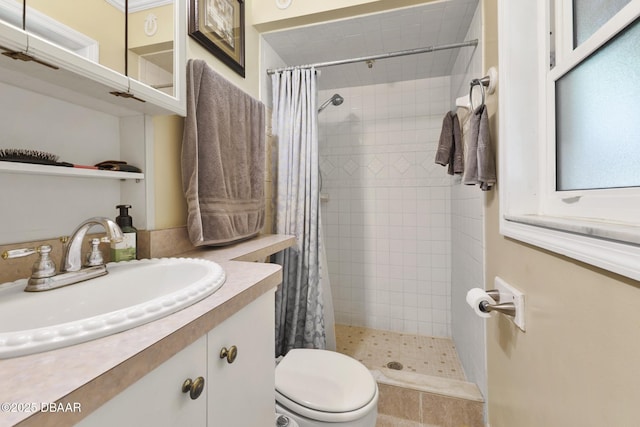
{"points": [[125, 250]]}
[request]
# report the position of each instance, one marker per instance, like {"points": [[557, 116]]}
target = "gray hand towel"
{"points": [[480, 166], [450, 145], [457, 165], [470, 175], [445, 143], [222, 159], [486, 160]]}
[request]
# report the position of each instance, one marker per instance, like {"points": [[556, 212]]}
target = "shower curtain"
{"points": [[299, 300]]}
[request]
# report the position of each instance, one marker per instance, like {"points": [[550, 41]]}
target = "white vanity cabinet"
{"points": [[157, 399], [240, 393]]}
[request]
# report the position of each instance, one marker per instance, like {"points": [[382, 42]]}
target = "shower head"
{"points": [[336, 99]]}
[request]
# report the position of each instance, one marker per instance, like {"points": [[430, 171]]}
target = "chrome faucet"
{"points": [[43, 274], [72, 255]]}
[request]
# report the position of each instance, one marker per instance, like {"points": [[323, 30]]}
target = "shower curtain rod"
{"points": [[428, 49]]}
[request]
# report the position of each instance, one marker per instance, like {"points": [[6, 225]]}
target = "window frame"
{"points": [[531, 210], [613, 203]]}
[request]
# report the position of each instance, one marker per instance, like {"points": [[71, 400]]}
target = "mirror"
{"points": [[151, 56], [95, 29]]}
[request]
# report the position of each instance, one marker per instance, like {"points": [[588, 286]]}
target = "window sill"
{"points": [[613, 247]]}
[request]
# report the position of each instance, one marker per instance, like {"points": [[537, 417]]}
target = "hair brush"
{"points": [[21, 155]]}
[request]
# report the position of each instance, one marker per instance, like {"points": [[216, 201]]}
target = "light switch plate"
{"points": [[510, 294]]}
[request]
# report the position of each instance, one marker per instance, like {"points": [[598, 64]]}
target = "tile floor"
{"points": [[421, 401], [419, 354]]}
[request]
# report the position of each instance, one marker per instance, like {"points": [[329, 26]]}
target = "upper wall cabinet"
{"points": [[115, 56]]}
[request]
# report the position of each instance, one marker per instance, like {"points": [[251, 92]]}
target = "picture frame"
{"points": [[218, 25]]}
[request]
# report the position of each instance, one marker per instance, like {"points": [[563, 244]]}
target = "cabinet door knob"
{"points": [[194, 388], [230, 353]]}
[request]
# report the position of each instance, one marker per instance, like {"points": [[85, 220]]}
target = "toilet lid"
{"points": [[324, 380]]}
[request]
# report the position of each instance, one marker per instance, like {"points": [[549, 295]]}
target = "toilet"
{"points": [[320, 388]]}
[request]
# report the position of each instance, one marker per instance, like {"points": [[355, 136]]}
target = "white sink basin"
{"points": [[133, 293]]}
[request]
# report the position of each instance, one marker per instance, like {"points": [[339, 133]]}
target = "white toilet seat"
{"points": [[327, 417], [325, 386]]}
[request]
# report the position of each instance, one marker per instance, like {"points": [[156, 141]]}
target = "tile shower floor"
{"points": [[419, 354]]}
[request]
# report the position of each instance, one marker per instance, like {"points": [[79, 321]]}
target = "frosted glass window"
{"points": [[589, 15], [598, 118]]}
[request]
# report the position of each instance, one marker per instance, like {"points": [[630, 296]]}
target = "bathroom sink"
{"points": [[131, 294]]}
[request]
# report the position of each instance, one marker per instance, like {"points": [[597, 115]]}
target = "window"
{"points": [[569, 128], [592, 105], [596, 115], [589, 15]]}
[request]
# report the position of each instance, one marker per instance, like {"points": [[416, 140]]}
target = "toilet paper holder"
{"points": [[503, 298], [507, 308]]}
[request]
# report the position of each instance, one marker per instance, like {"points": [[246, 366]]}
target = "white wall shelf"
{"points": [[32, 169]]}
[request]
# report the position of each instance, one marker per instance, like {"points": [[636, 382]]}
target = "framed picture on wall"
{"points": [[218, 25]]}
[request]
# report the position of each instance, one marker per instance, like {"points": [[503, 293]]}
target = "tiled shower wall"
{"points": [[386, 210]]}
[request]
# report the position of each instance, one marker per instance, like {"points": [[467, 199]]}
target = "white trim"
{"points": [[621, 233], [564, 29], [617, 257], [138, 5]]}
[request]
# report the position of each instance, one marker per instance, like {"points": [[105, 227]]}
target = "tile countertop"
{"points": [[91, 373]]}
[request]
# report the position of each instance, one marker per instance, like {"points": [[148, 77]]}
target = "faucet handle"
{"points": [[22, 252], [44, 265], [94, 257], [18, 253]]}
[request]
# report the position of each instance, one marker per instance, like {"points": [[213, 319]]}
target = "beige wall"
{"points": [[170, 205], [577, 364]]}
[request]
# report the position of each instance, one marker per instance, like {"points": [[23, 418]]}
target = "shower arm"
{"points": [[325, 104], [336, 100]]}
